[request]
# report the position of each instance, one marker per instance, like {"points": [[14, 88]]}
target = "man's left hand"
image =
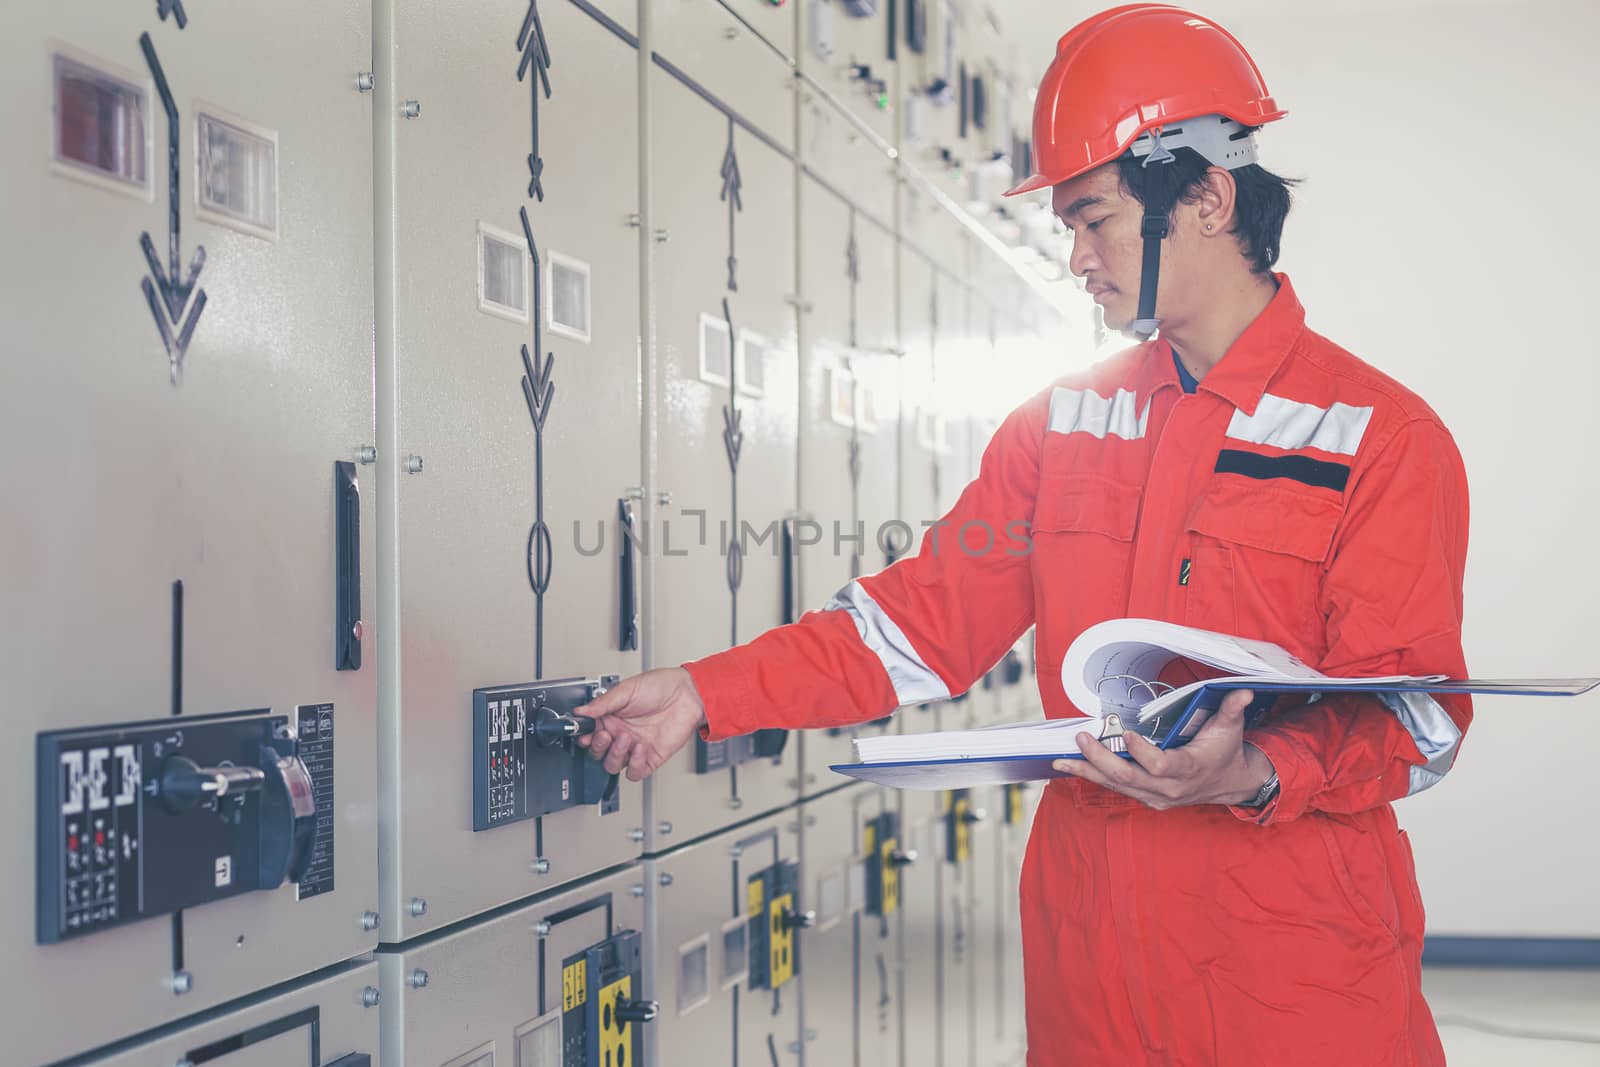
{"points": [[1216, 767]]}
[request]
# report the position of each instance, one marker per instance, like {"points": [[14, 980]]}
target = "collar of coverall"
{"points": [[1242, 375]]}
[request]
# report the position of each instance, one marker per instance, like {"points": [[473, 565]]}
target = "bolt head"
{"points": [[541, 929], [364, 81], [370, 996], [419, 906], [418, 978], [540, 866], [181, 982], [369, 920]]}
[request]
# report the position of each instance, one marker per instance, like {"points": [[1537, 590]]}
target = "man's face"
{"points": [[1107, 251]]}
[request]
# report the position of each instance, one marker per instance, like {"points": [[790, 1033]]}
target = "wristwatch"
{"points": [[1264, 795]]}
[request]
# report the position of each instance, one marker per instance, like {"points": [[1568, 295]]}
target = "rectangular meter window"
{"points": [[735, 952], [569, 297], [238, 174], [101, 126], [502, 274], [715, 359], [752, 364], [538, 1043], [694, 974]]}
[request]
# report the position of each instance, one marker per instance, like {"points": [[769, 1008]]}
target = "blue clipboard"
{"points": [[1005, 770]]}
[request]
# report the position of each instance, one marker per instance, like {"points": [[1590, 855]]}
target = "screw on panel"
{"points": [[369, 920], [663, 236], [664, 828], [418, 979], [664, 497], [411, 109], [180, 982], [367, 454], [794, 1048], [419, 907], [735, 803], [541, 929], [730, 33], [811, 1035], [370, 996], [735, 851], [637, 890], [413, 464], [364, 81], [634, 220], [665, 879], [634, 492], [540, 866], [636, 835]]}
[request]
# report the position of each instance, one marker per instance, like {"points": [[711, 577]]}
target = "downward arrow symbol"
{"points": [[174, 300]]}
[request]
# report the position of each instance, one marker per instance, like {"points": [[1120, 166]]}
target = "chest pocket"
{"points": [[1258, 552]]}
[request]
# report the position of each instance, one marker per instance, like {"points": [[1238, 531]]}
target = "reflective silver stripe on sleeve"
{"points": [[1289, 424], [1085, 411], [1434, 731], [913, 681]]}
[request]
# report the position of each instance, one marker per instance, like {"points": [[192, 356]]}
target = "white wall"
{"points": [[1447, 232]]}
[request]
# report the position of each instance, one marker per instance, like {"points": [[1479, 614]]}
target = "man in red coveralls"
{"points": [[1246, 899]]}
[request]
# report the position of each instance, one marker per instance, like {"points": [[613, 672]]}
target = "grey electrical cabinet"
{"points": [[508, 412], [325, 1022], [854, 865], [188, 536], [553, 983], [728, 918], [726, 377]]}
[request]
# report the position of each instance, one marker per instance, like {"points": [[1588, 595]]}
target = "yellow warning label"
{"points": [[781, 966], [574, 985], [757, 891], [963, 831], [1014, 799], [616, 1036], [891, 876]]}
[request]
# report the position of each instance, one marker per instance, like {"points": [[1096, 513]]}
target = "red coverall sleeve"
{"points": [[923, 629], [1392, 600]]}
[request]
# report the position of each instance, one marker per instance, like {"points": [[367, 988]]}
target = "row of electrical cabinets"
{"points": [[858, 927], [332, 490]]}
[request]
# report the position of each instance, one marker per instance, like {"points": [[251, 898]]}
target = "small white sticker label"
{"points": [[224, 871], [566, 789]]}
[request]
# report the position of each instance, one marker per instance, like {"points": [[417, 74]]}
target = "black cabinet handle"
{"points": [[966, 102], [628, 640], [347, 568], [789, 591]]}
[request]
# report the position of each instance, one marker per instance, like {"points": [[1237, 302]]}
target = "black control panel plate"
{"points": [[515, 775], [109, 849]]}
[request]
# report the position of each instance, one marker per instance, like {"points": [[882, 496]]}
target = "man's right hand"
{"points": [[642, 721]]}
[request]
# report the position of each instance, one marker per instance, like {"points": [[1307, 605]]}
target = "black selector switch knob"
{"points": [[551, 728], [802, 920], [186, 785], [637, 1011]]}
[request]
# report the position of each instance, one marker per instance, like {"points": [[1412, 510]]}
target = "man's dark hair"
{"points": [[1261, 206]]}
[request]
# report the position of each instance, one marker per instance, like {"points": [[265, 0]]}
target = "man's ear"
{"points": [[1218, 200]]}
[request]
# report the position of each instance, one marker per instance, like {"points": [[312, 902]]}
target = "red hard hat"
{"points": [[1131, 69]]}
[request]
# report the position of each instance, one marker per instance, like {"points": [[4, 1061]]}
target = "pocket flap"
{"points": [[1086, 504], [1266, 517]]}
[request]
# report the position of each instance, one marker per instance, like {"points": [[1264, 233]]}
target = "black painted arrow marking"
{"points": [[179, 304], [173, 8], [535, 49], [733, 441], [852, 267], [538, 390], [731, 183]]}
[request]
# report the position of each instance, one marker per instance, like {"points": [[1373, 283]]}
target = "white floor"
{"points": [[1500, 1018]]}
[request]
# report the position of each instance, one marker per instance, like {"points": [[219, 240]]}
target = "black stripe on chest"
{"points": [[1300, 469]]}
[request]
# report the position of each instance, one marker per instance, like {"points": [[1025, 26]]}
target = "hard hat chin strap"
{"points": [[1153, 230]]}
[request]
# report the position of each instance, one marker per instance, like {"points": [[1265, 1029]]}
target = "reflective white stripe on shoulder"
{"points": [[1289, 424], [1434, 731], [1085, 411], [913, 681]]}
